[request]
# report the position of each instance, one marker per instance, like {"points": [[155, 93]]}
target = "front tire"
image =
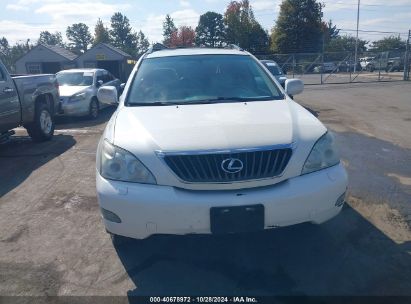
{"points": [[94, 109], [42, 128]]}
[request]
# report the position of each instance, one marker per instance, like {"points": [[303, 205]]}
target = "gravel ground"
{"points": [[52, 241]]}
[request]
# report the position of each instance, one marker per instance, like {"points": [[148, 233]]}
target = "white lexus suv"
{"points": [[207, 141]]}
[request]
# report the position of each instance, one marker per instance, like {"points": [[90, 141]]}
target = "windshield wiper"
{"points": [[152, 104], [234, 99], [201, 101]]}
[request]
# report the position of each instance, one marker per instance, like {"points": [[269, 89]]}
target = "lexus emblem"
{"points": [[232, 165]]}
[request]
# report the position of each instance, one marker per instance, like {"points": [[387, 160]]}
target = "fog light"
{"points": [[110, 216], [340, 201]]}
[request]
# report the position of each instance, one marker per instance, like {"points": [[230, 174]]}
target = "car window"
{"points": [[106, 78], [201, 78], [75, 78], [100, 77], [273, 68], [2, 74]]}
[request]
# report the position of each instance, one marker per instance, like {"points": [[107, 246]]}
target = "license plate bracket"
{"points": [[237, 219]]}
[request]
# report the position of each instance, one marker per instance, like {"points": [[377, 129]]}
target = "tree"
{"points": [[121, 34], [168, 30], [51, 39], [259, 40], [79, 36], [346, 44], [210, 30], [9, 54], [4, 46], [101, 34], [5, 52], [330, 31], [298, 28], [243, 29], [183, 37], [142, 43], [388, 44]]}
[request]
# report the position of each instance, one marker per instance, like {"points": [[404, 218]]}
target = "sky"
{"points": [[25, 19]]}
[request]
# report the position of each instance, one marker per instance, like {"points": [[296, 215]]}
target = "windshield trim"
{"points": [[200, 102]]}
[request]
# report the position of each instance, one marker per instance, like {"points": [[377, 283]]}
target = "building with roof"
{"points": [[106, 56], [47, 59], [50, 59]]}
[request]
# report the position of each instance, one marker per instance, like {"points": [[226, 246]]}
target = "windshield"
{"points": [[75, 79], [200, 79]]}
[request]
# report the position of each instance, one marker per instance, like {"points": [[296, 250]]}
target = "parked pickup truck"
{"points": [[28, 101]]}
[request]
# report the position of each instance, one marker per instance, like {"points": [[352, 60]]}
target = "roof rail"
{"points": [[234, 47], [156, 47]]}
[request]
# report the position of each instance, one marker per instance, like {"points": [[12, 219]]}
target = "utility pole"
{"points": [[356, 39], [407, 58]]}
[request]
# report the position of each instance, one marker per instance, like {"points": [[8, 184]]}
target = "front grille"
{"points": [[208, 168]]}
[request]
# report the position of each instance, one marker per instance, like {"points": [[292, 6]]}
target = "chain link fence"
{"points": [[341, 67]]}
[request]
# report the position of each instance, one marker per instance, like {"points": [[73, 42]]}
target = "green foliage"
{"points": [[4, 46], [346, 44], [259, 39], [101, 33], [388, 44], [169, 29], [330, 31], [121, 34], [80, 38], [51, 39], [299, 27], [243, 29], [142, 43], [9, 54], [210, 31]]}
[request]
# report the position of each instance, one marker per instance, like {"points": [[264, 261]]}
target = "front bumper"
{"points": [[79, 108], [145, 210]]}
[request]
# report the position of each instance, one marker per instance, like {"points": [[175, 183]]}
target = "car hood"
{"points": [[143, 131], [66, 91], [205, 127]]}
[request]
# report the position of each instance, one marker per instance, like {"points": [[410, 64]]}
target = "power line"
{"points": [[370, 5], [370, 31]]}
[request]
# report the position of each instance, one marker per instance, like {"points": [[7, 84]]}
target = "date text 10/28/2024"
{"points": [[203, 300]]}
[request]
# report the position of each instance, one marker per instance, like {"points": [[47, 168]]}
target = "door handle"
{"points": [[8, 90]]}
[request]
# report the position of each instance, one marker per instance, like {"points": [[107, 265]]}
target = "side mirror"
{"points": [[294, 86], [107, 95], [99, 83]]}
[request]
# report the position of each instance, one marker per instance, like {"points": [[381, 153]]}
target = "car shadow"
{"points": [[345, 256], [69, 122], [20, 156]]}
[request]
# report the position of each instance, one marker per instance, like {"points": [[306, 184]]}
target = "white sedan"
{"points": [[78, 91]]}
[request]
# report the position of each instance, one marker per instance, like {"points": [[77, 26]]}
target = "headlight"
{"points": [[118, 164], [323, 155], [77, 97]]}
